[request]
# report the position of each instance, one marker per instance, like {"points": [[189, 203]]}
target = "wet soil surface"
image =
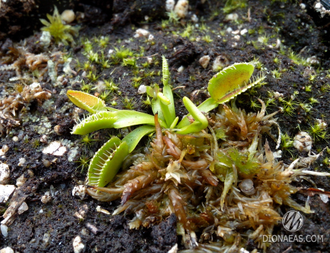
{"points": [[289, 38]]}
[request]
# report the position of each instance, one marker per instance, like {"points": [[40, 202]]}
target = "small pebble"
{"points": [[169, 5], [219, 63], [194, 18], [68, 16], [45, 38], [55, 148], [5, 192], [45, 239], [15, 139], [20, 180], [81, 212], [324, 198], [313, 60], [142, 89], [43, 139], [101, 210], [4, 150], [180, 69], [303, 142], [46, 163], [231, 17], [57, 129], [7, 250], [149, 59], [247, 187], [21, 162], [141, 33], [237, 37], [4, 230], [46, 198], [4, 173], [181, 8], [84, 232], [244, 31], [174, 249], [204, 61], [150, 37], [79, 191], [92, 228], [23, 207], [77, 244]]}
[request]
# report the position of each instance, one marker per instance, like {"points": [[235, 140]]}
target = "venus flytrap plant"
{"points": [[227, 84], [224, 86]]}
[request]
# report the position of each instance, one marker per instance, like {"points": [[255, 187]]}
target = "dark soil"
{"points": [[51, 227]]}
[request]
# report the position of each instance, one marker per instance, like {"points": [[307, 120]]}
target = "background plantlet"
{"points": [[56, 27]]}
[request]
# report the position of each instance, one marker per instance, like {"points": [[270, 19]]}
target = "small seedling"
{"points": [[60, 32]]}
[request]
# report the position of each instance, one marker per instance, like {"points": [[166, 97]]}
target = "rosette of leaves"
{"points": [[106, 162]]}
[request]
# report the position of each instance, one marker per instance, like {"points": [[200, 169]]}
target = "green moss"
{"points": [[289, 106], [86, 87], [308, 88], [172, 17], [110, 85], [188, 31], [286, 141], [325, 88], [131, 61], [60, 32], [318, 131], [88, 46], [87, 140], [105, 95], [245, 163], [306, 107], [136, 81], [128, 103], [276, 74], [92, 77], [276, 60], [36, 143], [93, 56], [313, 100], [207, 39], [103, 41], [120, 54], [297, 59]]}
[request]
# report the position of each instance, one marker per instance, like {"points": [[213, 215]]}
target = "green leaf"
{"points": [[156, 108], [100, 120], [231, 82], [106, 162], [201, 121], [126, 118], [192, 128], [134, 137], [208, 105], [167, 91], [86, 101], [165, 70], [44, 22]]}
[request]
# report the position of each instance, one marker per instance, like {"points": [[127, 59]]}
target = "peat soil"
{"points": [[289, 38]]}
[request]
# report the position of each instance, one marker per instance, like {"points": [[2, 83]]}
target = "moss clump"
{"points": [[61, 32]]}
